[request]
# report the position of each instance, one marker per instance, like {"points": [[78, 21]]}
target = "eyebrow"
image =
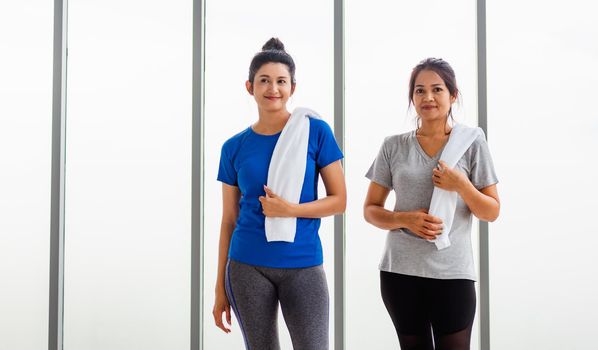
{"points": [[420, 85], [267, 76]]}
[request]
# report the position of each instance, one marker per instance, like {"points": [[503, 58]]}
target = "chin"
{"points": [[272, 108], [432, 118]]}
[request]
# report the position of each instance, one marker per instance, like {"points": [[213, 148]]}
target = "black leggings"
{"points": [[429, 313]]}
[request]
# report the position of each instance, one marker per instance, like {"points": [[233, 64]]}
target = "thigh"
{"points": [[453, 304], [254, 301], [303, 295], [405, 302]]}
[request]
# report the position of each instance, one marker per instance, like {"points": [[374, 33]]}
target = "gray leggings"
{"points": [[254, 293]]}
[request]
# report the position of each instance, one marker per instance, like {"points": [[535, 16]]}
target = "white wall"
{"points": [[128, 175], [543, 125], [25, 157], [128, 200]]}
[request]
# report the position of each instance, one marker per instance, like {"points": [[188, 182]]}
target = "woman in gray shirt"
{"points": [[430, 293]]}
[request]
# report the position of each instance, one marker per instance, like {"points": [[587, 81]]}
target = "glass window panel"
{"points": [[542, 129], [25, 153], [128, 185], [235, 31], [385, 40]]}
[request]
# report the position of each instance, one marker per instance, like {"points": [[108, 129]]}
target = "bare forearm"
{"points": [[482, 206], [327, 206], [383, 218]]}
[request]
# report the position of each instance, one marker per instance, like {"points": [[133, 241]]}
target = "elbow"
{"points": [[494, 212], [494, 217], [341, 205], [366, 214], [342, 209], [491, 217]]}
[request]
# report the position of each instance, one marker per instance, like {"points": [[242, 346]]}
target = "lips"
{"points": [[272, 98]]}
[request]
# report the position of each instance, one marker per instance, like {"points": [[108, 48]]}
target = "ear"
{"points": [[249, 87], [453, 99], [293, 89]]}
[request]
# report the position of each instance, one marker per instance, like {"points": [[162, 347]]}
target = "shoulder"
{"points": [[233, 143], [469, 132], [399, 140], [480, 140], [238, 137], [319, 124], [320, 131], [479, 146]]}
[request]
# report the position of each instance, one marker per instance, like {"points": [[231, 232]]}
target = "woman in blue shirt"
{"points": [[254, 275]]}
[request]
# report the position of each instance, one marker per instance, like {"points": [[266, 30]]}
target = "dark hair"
{"points": [[440, 67], [272, 51]]}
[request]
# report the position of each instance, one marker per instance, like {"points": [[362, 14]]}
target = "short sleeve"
{"points": [[380, 171], [328, 150], [226, 170], [482, 172]]}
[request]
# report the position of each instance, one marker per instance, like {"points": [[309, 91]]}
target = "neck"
{"points": [[434, 128], [271, 122]]}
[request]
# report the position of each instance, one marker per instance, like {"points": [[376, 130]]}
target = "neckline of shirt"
{"points": [[263, 135], [423, 153]]}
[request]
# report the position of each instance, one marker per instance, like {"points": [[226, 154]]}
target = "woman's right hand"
{"points": [[221, 305], [423, 224]]}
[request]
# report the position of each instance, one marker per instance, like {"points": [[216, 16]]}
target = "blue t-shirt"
{"points": [[244, 163]]}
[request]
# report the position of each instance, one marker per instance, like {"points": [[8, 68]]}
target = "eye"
{"points": [[282, 81], [437, 89], [264, 80], [419, 91]]}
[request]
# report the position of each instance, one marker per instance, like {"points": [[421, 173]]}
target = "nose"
{"points": [[272, 88], [428, 97]]}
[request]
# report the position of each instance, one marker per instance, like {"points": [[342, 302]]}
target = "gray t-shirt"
{"points": [[403, 166]]}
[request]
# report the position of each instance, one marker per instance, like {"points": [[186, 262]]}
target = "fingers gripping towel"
{"points": [[444, 203], [287, 171]]}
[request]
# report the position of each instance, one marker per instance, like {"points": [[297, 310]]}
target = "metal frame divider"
{"points": [[339, 133], [197, 176], [483, 226], [56, 278]]}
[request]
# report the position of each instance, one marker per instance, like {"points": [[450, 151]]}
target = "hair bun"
{"points": [[273, 44]]}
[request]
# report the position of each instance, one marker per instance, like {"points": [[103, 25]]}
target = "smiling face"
{"points": [[431, 97], [271, 87]]}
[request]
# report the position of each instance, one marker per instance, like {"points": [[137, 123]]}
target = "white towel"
{"points": [[444, 203], [287, 171]]}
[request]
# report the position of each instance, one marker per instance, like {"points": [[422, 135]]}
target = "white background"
{"points": [[128, 175], [543, 128], [25, 157], [128, 201]]}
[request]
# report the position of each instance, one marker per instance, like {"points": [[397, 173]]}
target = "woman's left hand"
{"points": [[275, 206], [448, 179]]}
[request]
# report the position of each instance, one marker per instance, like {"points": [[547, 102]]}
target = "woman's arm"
{"points": [[230, 211], [419, 222], [483, 203], [334, 202]]}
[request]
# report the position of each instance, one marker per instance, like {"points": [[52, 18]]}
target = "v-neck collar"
{"points": [[423, 153]]}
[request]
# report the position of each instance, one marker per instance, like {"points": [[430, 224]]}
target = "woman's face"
{"points": [[431, 97], [271, 87]]}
